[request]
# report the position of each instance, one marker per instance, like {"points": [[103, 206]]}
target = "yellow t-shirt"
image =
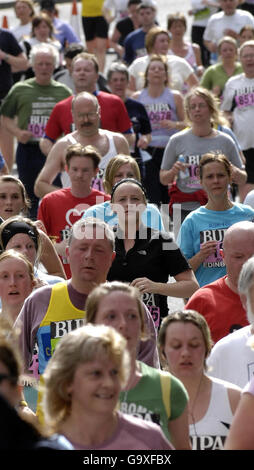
{"points": [[92, 7]]}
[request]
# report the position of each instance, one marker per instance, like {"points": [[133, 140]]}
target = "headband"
{"points": [[18, 227], [128, 180]]}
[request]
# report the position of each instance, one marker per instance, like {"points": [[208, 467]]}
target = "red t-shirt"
{"points": [[221, 307], [114, 116], [59, 210]]}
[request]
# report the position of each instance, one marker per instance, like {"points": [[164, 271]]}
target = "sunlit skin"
{"points": [[156, 73], [95, 387], [161, 44], [23, 12], [86, 256], [246, 35], [84, 75], [42, 31], [81, 172], [24, 244], [119, 310], [215, 180], [247, 61], [11, 200], [124, 171], [198, 110], [228, 51], [15, 285], [86, 117], [184, 349], [43, 68], [128, 203], [146, 18]]}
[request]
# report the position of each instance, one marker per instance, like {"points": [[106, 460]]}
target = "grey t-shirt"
{"points": [[192, 148]]}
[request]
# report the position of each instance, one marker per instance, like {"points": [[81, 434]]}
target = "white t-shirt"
{"points": [[218, 22], [232, 359], [22, 31], [249, 200], [179, 71], [238, 96]]}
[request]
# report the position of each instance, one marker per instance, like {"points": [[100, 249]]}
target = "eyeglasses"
{"points": [[90, 116]]}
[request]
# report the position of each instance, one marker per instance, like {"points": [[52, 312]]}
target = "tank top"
{"points": [[190, 56], [158, 109], [61, 317], [210, 432], [112, 152]]}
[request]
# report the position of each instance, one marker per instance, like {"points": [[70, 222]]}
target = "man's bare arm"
{"points": [[45, 146], [53, 165], [121, 144]]}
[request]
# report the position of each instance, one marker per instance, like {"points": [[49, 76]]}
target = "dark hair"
{"points": [[79, 150], [38, 19], [18, 182], [176, 17], [128, 180], [73, 49]]}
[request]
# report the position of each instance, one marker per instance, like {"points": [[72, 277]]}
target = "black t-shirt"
{"points": [[140, 122], [156, 256], [124, 26], [10, 45]]}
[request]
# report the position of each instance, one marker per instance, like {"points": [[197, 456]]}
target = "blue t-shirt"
{"points": [[203, 225], [151, 217], [134, 46]]}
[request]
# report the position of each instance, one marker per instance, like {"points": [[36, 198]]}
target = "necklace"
{"points": [[191, 412]]}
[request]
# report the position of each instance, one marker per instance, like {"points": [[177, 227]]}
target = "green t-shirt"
{"points": [[215, 75], [145, 400], [33, 103]]}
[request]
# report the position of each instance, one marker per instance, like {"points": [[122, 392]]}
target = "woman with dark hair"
{"points": [[190, 51], [184, 344], [202, 232], [144, 256], [165, 110], [42, 31], [120, 167]]}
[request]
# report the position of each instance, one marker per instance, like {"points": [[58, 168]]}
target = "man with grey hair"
{"points": [[31, 102], [52, 311], [219, 302], [232, 358]]}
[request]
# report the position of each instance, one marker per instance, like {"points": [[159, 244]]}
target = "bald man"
{"points": [[86, 117], [219, 302]]}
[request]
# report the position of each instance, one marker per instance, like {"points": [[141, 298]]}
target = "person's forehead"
{"points": [[80, 160], [86, 63], [247, 50], [117, 75], [89, 235], [84, 102], [41, 56]]}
